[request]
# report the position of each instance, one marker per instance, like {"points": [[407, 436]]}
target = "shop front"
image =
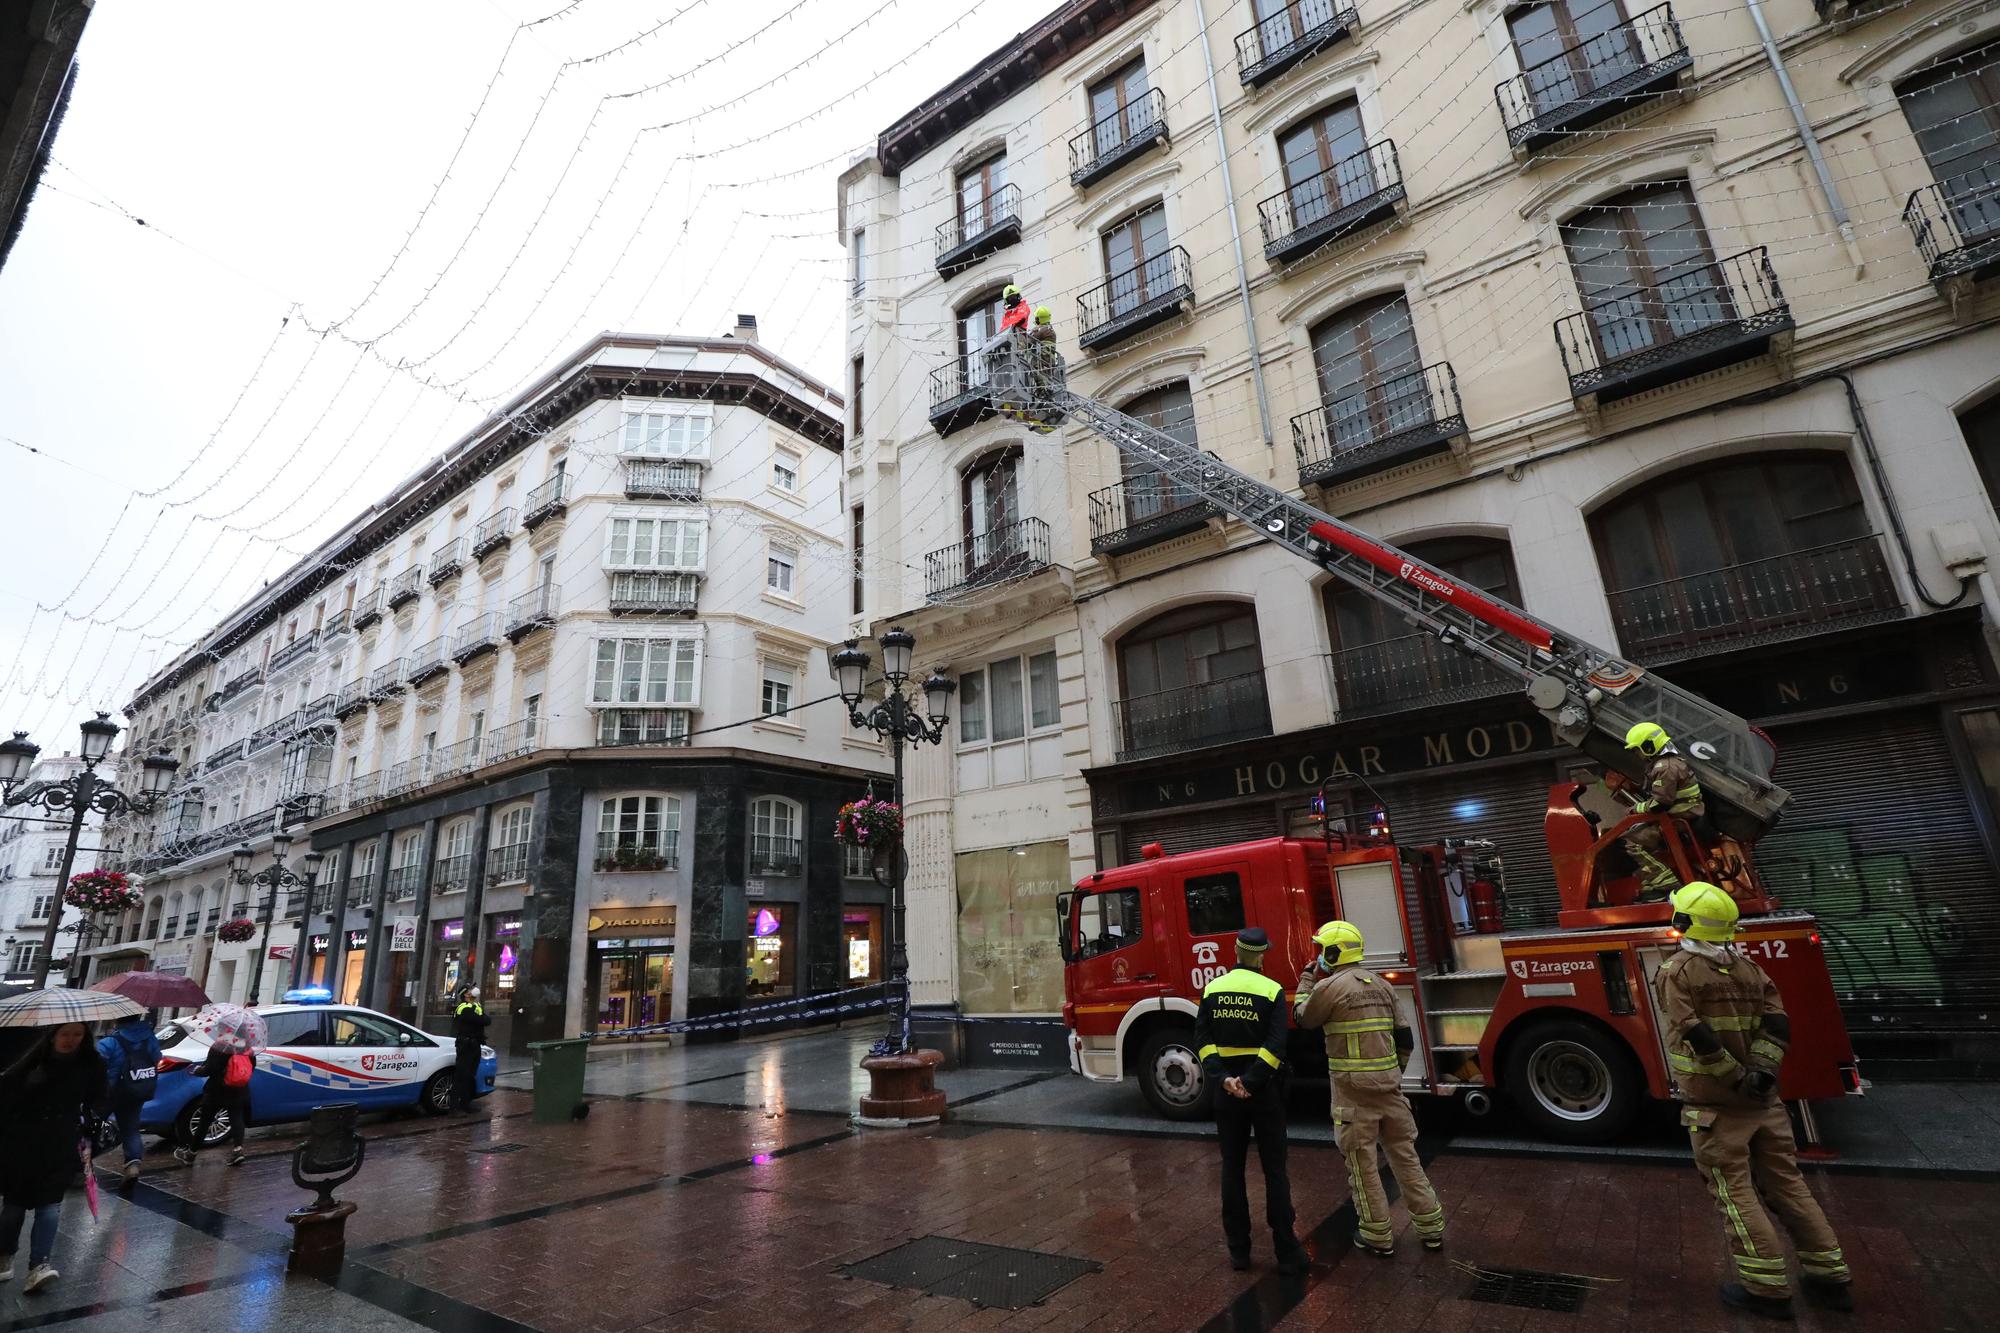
{"points": [[346, 986], [500, 974], [1010, 977], [445, 969], [630, 978], [771, 951], [861, 946]]}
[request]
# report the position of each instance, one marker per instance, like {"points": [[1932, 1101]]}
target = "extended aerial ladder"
{"points": [[1589, 696]]}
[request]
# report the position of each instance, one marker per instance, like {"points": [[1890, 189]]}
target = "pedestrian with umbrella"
{"points": [[46, 1094], [234, 1035], [131, 1056]]}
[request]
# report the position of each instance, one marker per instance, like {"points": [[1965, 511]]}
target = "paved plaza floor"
{"points": [[722, 1187]]}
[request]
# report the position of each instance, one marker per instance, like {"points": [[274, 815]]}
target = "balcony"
{"points": [[303, 806], [511, 741], [294, 651], [476, 637], [1135, 300], [336, 625], [654, 594], [452, 874], [494, 533], [426, 661], [1409, 672], [1699, 317], [615, 852], [386, 680], [368, 610], [1593, 80], [358, 791], [507, 865], [662, 479], [960, 394], [406, 587], [1759, 601], [224, 757], [1142, 510], [644, 726], [404, 778], [1956, 225], [361, 892], [315, 714], [450, 761], [403, 883], [449, 559], [775, 856], [1355, 192], [1011, 551], [1124, 135], [350, 699], [243, 681], [545, 502], [1841, 11], [1295, 34], [1378, 422], [531, 611], [272, 732], [1232, 709], [994, 223]]}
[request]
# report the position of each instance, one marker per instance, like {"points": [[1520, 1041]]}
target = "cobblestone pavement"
{"points": [[705, 1192]]}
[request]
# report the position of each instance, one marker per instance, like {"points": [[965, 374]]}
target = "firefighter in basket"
{"points": [[1670, 786]]}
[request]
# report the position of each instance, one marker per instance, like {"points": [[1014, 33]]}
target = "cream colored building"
{"points": [[1675, 334]]}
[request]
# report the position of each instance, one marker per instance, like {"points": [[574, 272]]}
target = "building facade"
{"points": [[544, 711], [31, 850], [1559, 297]]}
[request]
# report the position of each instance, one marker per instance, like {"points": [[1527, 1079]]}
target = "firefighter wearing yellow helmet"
{"points": [[1669, 785], [1366, 1046], [1726, 1035]]}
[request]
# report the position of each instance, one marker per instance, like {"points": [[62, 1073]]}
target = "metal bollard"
{"points": [[330, 1157]]}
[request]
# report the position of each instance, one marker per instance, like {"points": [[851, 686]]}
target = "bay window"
{"points": [[647, 671], [665, 432], [657, 543]]}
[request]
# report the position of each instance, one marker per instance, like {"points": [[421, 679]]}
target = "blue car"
{"points": [[318, 1053]]}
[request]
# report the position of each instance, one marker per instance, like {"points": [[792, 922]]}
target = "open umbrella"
{"points": [[232, 1027], [49, 1008], [155, 990]]}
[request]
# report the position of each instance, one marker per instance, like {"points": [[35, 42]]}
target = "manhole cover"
{"points": [[1530, 1290], [498, 1148], [993, 1276]]}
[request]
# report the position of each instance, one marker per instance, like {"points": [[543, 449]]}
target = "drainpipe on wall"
{"points": [[1236, 238], [1866, 437], [1807, 137]]}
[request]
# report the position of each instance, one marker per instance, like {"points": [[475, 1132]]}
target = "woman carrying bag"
{"points": [[45, 1100]]}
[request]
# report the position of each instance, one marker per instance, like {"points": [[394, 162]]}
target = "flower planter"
{"points": [[876, 825], [101, 891], [236, 931]]}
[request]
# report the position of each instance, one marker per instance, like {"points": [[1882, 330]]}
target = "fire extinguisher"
{"points": [[1489, 904]]}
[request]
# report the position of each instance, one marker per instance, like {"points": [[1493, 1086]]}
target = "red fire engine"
{"points": [[1561, 1020]]}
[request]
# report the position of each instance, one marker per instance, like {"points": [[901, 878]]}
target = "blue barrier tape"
{"points": [[783, 1011]]}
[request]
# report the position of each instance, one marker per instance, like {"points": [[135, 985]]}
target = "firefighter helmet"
{"points": [[1341, 940], [1704, 912], [1042, 315], [1011, 294], [1648, 738]]}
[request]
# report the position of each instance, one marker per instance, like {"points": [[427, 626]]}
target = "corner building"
{"points": [[1552, 295]]}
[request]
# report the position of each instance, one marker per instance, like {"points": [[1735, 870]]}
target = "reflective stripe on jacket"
{"points": [[1357, 1011], [1671, 785], [1735, 1001], [1240, 1028]]}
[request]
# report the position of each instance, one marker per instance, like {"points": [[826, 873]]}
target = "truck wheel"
{"points": [[1573, 1083], [1170, 1075]]}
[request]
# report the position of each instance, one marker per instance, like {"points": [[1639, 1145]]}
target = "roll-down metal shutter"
{"points": [[1190, 833], [1505, 806]]}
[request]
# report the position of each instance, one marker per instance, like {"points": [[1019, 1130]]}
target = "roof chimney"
{"points": [[746, 328]]}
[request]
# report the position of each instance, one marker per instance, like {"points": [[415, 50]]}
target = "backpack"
{"points": [[237, 1073], [139, 1082]]}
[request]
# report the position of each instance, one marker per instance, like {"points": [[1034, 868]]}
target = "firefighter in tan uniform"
{"points": [[1726, 1034], [1365, 1051], [1671, 786]]}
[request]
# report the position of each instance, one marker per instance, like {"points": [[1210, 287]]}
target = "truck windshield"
{"points": [[1104, 922]]}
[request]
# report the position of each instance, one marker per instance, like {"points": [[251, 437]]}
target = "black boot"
{"points": [[1764, 1307], [1292, 1258], [1828, 1295], [1239, 1260]]}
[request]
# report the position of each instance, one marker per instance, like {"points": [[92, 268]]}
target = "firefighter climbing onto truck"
{"points": [[1669, 785]]}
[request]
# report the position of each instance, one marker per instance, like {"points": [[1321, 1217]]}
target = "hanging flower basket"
{"points": [[101, 891], [869, 823], [236, 931]]}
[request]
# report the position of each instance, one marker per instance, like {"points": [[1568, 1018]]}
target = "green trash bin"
{"points": [[558, 1078]]}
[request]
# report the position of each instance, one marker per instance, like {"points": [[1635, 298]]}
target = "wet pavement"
{"points": [[721, 1187]]}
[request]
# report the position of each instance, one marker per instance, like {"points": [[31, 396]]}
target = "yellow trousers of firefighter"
{"points": [[1362, 1120], [1750, 1163], [1648, 847]]}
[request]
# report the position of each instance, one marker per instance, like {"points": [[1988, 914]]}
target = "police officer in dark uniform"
{"points": [[1240, 1040], [468, 1027]]}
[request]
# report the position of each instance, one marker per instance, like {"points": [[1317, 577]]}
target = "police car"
{"points": [[318, 1053]]}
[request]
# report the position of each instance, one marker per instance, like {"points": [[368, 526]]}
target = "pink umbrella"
{"points": [[155, 990], [232, 1027]]}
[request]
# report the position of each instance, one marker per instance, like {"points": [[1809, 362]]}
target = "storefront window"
{"points": [[447, 966], [1007, 959], [771, 951], [861, 945], [503, 956]]}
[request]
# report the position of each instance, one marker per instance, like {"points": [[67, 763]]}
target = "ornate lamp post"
{"points": [[79, 796], [273, 879]]}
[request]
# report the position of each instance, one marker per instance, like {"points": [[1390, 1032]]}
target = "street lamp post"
{"points": [[897, 720], [79, 796], [273, 879]]}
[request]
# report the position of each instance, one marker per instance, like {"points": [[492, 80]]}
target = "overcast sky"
{"points": [[196, 435]]}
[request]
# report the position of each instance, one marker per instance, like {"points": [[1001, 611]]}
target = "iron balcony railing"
{"points": [[978, 229], [1411, 671], [1593, 80], [272, 732], [494, 532], [1296, 33], [654, 594], [360, 790], [1143, 509], [226, 756], [426, 660], [448, 559], [961, 393], [368, 609], [404, 881], [1956, 224], [1118, 138], [404, 778], [315, 714], [1778, 597], [662, 479], [532, 610], [337, 624], [479, 635], [643, 726], [1135, 300], [241, 682], [504, 865], [1232, 709], [1359, 190], [449, 761], [452, 874], [512, 740], [1379, 421], [361, 890], [624, 851], [775, 856], [545, 501], [1010, 551], [386, 679], [1697, 316], [406, 587], [293, 651], [351, 698]]}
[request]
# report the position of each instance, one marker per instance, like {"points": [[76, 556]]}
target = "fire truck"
{"points": [[1561, 1021]]}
